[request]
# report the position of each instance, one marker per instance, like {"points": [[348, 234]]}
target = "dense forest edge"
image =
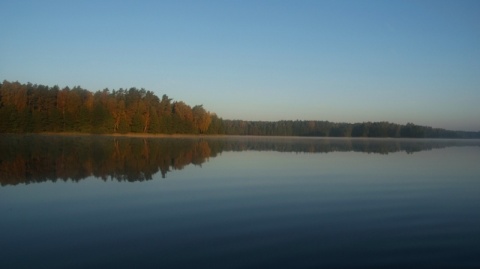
{"points": [[33, 108]]}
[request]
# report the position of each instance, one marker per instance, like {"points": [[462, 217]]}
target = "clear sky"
{"points": [[341, 61]]}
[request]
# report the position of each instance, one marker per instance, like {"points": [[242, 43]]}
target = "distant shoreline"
{"points": [[148, 135], [32, 108]]}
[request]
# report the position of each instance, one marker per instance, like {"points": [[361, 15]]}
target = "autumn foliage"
{"points": [[39, 108], [32, 108]]}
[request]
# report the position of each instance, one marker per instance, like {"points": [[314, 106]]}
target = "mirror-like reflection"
{"points": [[38, 158], [279, 203]]}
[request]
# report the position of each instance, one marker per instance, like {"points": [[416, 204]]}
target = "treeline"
{"points": [[32, 108], [332, 129], [27, 108]]}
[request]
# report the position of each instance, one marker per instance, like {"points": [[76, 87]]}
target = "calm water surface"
{"points": [[105, 202]]}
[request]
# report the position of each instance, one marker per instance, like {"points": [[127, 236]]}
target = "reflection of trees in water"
{"points": [[38, 158], [34, 158], [325, 145]]}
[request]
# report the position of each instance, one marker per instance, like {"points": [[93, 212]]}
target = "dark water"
{"points": [[106, 202]]}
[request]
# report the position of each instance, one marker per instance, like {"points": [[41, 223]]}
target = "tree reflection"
{"points": [[38, 158]]}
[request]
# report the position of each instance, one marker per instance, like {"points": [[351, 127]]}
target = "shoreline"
{"points": [[148, 135], [128, 135]]}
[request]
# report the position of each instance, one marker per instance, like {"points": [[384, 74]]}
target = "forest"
{"points": [[33, 108]]}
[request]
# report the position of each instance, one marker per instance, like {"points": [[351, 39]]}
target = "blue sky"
{"points": [[342, 61]]}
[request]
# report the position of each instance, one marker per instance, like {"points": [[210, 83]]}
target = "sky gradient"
{"points": [[341, 61]]}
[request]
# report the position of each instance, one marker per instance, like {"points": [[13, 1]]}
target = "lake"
{"points": [[238, 202]]}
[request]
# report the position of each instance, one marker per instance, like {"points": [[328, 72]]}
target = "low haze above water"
{"points": [[238, 202]]}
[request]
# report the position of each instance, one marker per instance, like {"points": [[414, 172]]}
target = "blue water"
{"points": [[256, 209]]}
